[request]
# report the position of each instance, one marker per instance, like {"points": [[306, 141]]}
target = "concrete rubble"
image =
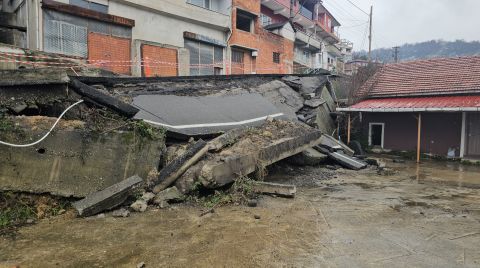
{"points": [[246, 125]]}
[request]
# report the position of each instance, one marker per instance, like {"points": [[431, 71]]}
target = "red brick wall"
{"points": [[265, 42], [159, 61], [249, 5], [109, 48]]}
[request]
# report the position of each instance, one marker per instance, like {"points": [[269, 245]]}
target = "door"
{"points": [[473, 134], [375, 134]]}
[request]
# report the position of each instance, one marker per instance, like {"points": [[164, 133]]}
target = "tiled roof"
{"points": [[443, 103], [425, 77]]}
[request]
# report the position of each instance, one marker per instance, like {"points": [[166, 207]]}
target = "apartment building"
{"points": [[132, 37], [177, 37]]}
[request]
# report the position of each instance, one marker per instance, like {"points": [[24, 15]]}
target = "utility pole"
{"points": [[370, 36], [395, 53], [292, 13]]}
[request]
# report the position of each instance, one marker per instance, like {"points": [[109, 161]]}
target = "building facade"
{"points": [[428, 106], [177, 37]]}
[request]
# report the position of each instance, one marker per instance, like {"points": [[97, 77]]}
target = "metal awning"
{"points": [[417, 104]]}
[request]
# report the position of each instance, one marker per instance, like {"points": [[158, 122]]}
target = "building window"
{"points": [[200, 3], [90, 5], [276, 57], [265, 20], [205, 59], [65, 38], [237, 56], [244, 21], [238, 62]]}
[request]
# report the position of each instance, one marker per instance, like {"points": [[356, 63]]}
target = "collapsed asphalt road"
{"points": [[421, 217]]}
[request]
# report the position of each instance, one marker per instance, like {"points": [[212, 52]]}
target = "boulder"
{"points": [[169, 194]]}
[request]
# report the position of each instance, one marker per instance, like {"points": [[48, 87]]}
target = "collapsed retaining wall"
{"points": [[73, 161]]}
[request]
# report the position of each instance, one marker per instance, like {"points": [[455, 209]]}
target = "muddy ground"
{"points": [[419, 217]]}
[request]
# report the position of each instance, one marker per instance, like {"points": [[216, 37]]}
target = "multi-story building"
{"points": [[177, 37], [133, 37]]}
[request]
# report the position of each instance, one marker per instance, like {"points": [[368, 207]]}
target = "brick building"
{"points": [[178, 37]]}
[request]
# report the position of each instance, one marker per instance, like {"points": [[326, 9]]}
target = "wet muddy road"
{"points": [[424, 217]]}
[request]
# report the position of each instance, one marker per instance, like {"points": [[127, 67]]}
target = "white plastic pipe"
{"points": [[46, 135]]}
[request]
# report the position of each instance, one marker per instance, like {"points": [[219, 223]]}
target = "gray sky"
{"points": [[396, 22]]}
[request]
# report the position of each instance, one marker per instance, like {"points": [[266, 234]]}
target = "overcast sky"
{"points": [[396, 22]]}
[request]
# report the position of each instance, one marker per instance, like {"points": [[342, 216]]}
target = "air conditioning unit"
{"points": [[255, 53]]}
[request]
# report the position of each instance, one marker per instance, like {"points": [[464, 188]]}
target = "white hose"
{"points": [[48, 133]]}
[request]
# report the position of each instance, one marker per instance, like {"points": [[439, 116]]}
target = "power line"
{"points": [[358, 7]]}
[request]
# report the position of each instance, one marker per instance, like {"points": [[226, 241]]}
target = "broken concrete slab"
{"points": [[178, 166], [223, 170], [309, 157], [204, 115], [228, 138], [108, 198], [334, 145], [282, 96], [73, 161], [293, 81], [26, 77], [103, 98], [274, 189], [347, 161], [314, 102], [312, 84]]}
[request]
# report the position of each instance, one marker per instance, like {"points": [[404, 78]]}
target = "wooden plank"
{"points": [[106, 199], [274, 188], [179, 165], [103, 99]]}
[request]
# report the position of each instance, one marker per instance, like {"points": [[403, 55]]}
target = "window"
{"points": [[265, 20], [65, 38], [237, 62], [237, 56], [276, 57], [244, 21], [200, 3], [205, 59], [90, 5]]}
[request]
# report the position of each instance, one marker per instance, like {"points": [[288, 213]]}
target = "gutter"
{"points": [[407, 110]]}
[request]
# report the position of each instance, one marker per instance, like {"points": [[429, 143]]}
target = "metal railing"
{"points": [[306, 13]]}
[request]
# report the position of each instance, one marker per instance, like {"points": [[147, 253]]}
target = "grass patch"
{"points": [[238, 194], [19, 209]]}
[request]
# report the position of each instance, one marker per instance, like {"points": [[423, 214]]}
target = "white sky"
{"points": [[396, 22]]}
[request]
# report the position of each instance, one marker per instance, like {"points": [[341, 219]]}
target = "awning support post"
{"points": [[419, 135], [349, 125]]}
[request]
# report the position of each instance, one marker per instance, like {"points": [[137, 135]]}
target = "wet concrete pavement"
{"points": [[353, 219]]}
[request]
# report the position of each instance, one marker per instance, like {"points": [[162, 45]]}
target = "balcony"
{"points": [[308, 40], [306, 13]]}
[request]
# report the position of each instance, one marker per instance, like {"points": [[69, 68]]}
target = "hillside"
{"points": [[425, 50]]}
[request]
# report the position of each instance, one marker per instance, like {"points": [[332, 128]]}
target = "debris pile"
{"points": [[236, 128]]}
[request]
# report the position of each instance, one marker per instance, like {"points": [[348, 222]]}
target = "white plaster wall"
{"points": [[156, 26]]}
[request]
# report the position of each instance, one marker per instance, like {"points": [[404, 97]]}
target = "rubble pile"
{"points": [[236, 128]]}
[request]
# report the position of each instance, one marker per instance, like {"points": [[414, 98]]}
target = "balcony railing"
{"points": [[306, 13]]}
